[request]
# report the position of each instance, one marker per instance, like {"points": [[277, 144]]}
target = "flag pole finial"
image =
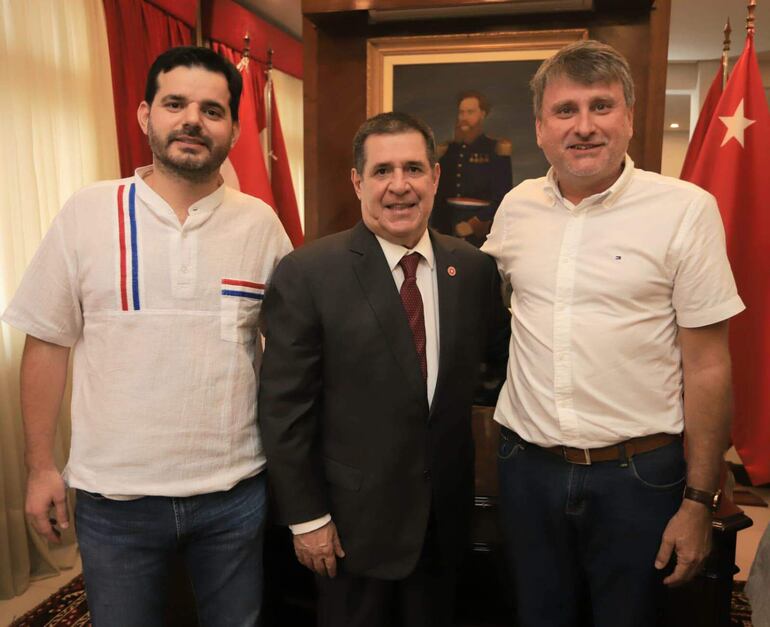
{"points": [[243, 64], [750, 17], [726, 51]]}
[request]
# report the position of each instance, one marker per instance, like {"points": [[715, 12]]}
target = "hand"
{"points": [[463, 229], [689, 534], [480, 227], [44, 489], [318, 550]]}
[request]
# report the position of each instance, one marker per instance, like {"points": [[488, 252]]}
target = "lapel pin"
{"points": [[451, 270]]}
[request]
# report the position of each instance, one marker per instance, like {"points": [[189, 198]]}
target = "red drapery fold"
{"points": [[137, 32]]}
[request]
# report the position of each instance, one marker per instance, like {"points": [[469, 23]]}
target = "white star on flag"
{"points": [[736, 124]]}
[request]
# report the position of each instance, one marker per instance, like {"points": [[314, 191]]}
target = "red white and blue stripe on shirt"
{"points": [[129, 251], [244, 289]]}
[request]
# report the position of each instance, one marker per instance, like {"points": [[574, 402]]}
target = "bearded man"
{"points": [[155, 282], [476, 173]]}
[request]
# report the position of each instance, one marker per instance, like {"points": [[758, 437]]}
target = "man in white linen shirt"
{"points": [[155, 282], [621, 295]]}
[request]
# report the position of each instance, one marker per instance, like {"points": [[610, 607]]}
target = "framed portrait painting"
{"points": [[473, 91]]}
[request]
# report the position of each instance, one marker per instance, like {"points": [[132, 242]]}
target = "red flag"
{"points": [[704, 119], [283, 188], [731, 165], [248, 172]]}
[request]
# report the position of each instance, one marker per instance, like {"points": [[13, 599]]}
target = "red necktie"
{"points": [[412, 301]]}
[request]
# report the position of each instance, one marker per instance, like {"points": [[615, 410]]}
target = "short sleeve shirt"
{"points": [[163, 321], [599, 290]]}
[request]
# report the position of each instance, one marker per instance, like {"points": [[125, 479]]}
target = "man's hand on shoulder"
{"points": [[318, 550], [45, 488], [688, 534]]}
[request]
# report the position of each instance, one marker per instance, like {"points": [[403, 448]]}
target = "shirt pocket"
{"points": [[240, 304]]}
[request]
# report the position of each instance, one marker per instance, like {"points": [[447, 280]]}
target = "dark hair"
{"points": [[484, 104], [586, 62], [194, 56], [391, 123]]}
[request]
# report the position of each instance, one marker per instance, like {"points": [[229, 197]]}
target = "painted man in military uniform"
{"points": [[475, 174]]}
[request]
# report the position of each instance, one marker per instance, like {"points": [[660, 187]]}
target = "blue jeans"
{"points": [[582, 540], [127, 548]]}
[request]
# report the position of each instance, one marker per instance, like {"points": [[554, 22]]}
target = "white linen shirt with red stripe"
{"points": [[163, 321]]}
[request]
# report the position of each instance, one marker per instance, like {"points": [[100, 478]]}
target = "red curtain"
{"points": [[226, 22], [137, 32]]}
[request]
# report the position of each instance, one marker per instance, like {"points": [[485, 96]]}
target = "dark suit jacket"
{"points": [[343, 407]]}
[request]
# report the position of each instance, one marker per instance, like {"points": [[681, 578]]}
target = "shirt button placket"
{"points": [[562, 325]]}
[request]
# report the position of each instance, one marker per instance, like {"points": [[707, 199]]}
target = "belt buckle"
{"points": [[586, 457]]}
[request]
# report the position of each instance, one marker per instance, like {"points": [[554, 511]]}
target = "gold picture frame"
{"points": [[384, 54]]}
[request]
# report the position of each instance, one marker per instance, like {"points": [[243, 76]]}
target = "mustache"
{"points": [[191, 132]]}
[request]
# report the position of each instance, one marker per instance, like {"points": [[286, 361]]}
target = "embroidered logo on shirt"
{"points": [[129, 250], [244, 289]]}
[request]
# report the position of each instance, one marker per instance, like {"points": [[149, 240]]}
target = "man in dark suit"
{"points": [[366, 388]]}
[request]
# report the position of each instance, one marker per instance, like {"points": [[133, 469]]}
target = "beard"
{"points": [[191, 167], [466, 132]]}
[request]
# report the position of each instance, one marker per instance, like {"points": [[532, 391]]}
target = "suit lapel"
{"points": [[448, 301], [376, 281]]}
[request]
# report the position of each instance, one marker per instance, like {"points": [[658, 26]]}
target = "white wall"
{"points": [[674, 150]]}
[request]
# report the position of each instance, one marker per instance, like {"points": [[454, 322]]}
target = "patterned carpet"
{"points": [[68, 608], [740, 612], [65, 608]]}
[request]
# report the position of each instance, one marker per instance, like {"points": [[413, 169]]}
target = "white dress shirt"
{"points": [[599, 290], [428, 286]]}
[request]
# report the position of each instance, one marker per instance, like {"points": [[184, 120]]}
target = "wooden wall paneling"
{"points": [[336, 6], [660, 22], [645, 45], [335, 106], [310, 125]]}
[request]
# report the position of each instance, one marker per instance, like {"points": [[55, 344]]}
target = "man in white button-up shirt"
{"points": [[155, 282], [621, 295]]}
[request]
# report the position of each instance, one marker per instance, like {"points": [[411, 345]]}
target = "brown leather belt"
{"points": [[627, 449]]}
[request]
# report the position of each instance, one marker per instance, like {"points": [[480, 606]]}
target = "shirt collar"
{"points": [[198, 212], [606, 198], [394, 252]]}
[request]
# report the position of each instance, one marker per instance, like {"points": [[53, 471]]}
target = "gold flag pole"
{"points": [[726, 52], [750, 18], [269, 113]]}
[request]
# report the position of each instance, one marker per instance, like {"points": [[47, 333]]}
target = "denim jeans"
{"points": [[127, 548], [582, 540]]}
